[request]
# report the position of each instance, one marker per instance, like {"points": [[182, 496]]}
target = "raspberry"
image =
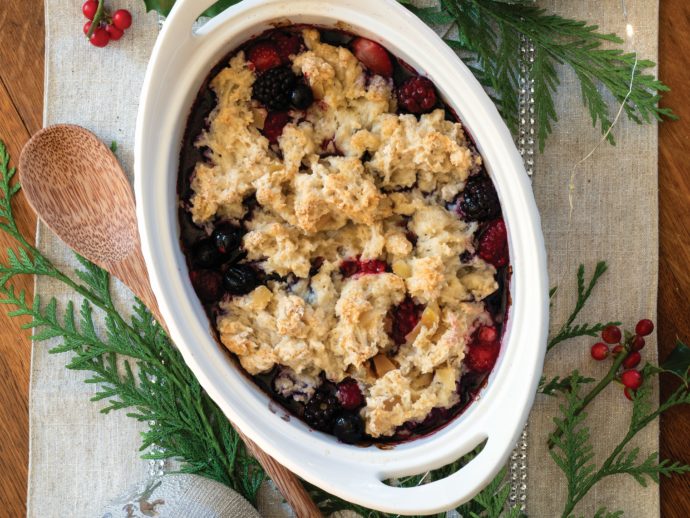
{"points": [[286, 44], [373, 56], [600, 351], [633, 360], [274, 124], [274, 88], [487, 334], [264, 56], [611, 334], [493, 244], [482, 357], [208, 284], [320, 411], [349, 394], [479, 200], [644, 327], [632, 379], [417, 95], [405, 318], [350, 267]]}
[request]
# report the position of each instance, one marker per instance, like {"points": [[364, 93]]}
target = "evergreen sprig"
{"points": [[488, 33], [574, 454], [570, 330]]}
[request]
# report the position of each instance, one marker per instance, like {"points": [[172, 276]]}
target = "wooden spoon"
{"points": [[77, 187]]}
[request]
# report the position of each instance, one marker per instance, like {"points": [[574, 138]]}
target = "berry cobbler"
{"points": [[343, 234]]}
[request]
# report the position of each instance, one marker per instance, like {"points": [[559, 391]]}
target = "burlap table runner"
{"points": [[80, 460]]}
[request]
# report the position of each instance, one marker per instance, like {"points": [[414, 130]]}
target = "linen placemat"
{"points": [[80, 460]]}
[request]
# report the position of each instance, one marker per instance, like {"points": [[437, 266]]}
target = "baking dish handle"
{"points": [[445, 493]]}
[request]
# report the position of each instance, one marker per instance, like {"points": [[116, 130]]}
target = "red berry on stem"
{"points": [[632, 379], [99, 38], [600, 351], [611, 334], [632, 360], [114, 32], [637, 343], [628, 393], [373, 56], [264, 55], [644, 327], [122, 19], [617, 350], [87, 26], [89, 9]]}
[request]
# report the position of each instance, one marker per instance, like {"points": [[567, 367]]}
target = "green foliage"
{"points": [[573, 452], [488, 34], [570, 330], [557, 385], [133, 363], [164, 7]]}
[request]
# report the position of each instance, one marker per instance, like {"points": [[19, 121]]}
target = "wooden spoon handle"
{"points": [[132, 271]]}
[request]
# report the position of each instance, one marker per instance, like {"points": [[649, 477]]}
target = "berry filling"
{"points": [[391, 303]]}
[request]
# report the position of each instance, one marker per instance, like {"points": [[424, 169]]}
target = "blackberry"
{"points": [[479, 200], [274, 88], [320, 411], [348, 428], [240, 279]]}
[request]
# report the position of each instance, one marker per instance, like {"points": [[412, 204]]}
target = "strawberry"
{"points": [[274, 124], [287, 44], [264, 55], [482, 357], [373, 56], [493, 244]]}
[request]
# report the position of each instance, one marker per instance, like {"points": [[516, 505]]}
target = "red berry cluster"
{"points": [[108, 27], [350, 267], [631, 378]]}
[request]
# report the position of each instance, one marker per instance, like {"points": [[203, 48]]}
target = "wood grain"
{"points": [[21, 91], [21, 107], [674, 234]]}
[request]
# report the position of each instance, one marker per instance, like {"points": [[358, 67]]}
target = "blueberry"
{"points": [[206, 255], [240, 279], [302, 97], [348, 428], [227, 238]]}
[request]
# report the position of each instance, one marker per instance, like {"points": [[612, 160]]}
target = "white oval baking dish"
{"points": [[181, 60]]}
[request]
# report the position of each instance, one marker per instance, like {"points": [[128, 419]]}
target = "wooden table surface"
{"points": [[21, 100]]}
